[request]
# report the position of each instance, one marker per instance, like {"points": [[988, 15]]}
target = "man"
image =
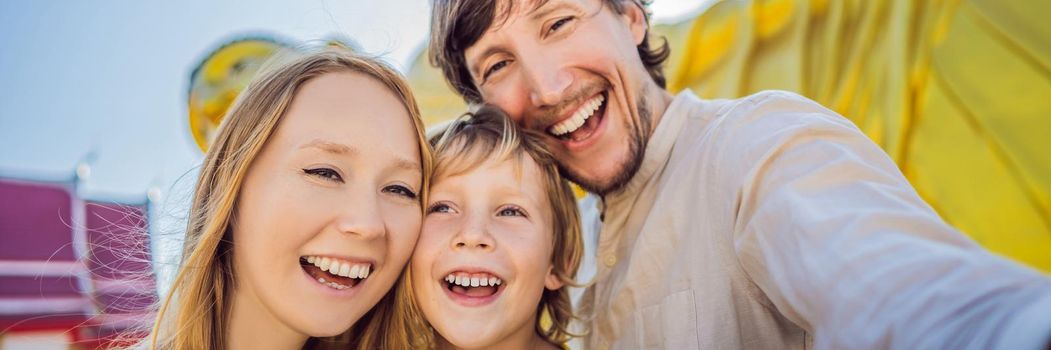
{"points": [[767, 222]]}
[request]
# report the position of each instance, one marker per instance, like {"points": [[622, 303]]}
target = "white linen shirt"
{"points": [[771, 222]]}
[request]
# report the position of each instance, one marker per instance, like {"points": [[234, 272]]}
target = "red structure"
{"points": [[73, 265]]}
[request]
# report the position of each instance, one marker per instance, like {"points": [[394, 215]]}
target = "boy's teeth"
{"points": [[578, 118], [475, 280], [339, 268]]}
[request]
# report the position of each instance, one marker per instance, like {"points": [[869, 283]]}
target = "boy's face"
{"points": [[488, 226]]}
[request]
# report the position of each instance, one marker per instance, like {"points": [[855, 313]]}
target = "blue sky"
{"points": [[103, 83]]}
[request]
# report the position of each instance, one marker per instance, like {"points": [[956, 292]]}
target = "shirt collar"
{"points": [[658, 148]]}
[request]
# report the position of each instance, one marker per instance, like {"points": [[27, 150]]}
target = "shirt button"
{"points": [[610, 260]]}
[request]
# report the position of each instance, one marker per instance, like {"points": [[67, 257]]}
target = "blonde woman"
{"points": [[306, 211]]}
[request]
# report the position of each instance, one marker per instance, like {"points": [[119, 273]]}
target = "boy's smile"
{"points": [[473, 286], [483, 260]]}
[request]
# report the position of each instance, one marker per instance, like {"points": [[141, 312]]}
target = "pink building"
{"points": [[73, 267]]}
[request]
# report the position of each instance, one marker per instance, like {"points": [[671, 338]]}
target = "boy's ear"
{"points": [[552, 282], [635, 17]]}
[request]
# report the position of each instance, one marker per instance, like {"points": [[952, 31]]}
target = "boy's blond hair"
{"points": [[489, 135]]}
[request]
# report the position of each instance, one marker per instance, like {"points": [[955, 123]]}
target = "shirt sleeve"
{"points": [[840, 243]]}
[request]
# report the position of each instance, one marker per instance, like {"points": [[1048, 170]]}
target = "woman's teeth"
{"points": [[473, 280], [582, 114], [340, 268]]}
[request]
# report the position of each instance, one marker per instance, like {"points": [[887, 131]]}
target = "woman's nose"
{"points": [[361, 218]]}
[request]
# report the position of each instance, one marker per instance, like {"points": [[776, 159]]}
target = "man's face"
{"points": [[570, 69]]}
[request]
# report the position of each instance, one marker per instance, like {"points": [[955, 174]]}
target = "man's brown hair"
{"points": [[458, 24]]}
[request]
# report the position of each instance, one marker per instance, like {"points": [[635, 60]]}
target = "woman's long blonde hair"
{"points": [[195, 312]]}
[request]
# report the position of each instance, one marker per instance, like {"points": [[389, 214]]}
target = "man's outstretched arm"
{"points": [[841, 244]]}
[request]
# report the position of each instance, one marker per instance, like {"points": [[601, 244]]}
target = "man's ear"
{"points": [[552, 282], [635, 17]]}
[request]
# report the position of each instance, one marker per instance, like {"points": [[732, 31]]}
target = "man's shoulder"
{"points": [[738, 132], [768, 102], [771, 110]]}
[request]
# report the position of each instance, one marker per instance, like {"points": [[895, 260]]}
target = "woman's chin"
{"points": [[320, 327]]}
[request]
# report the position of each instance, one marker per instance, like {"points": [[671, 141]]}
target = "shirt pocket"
{"points": [[671, 324]]}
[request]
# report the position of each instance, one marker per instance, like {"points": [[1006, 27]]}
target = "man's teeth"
{"points": [[473, 279], [340, 268], [573, 123]]}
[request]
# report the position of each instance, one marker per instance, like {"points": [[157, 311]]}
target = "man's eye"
{"points": [[511, 211], [325, 173], [439, 208], [401, 191], [492, 69], [558, 24]]}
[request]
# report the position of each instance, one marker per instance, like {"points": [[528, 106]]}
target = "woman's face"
{"points": [[329, 213], [485, 227]]}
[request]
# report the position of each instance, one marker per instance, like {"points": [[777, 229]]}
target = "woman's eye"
{"points": [[326, 173], [401, 191], [511, 211], [492, 69], [439, 208], [558, 24]]}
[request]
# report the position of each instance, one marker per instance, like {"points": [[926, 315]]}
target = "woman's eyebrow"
{"points": [[406, 164], [337, 148], [331, 147]]}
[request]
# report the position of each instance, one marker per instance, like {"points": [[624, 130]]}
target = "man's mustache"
{"points": [[547, 115]]}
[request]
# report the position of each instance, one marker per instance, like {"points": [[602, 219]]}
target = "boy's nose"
{"points": [[474, 236]]}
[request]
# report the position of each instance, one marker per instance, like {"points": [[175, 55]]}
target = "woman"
{"points": [[306, 211]]}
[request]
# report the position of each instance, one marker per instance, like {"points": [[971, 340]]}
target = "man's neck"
{"points": [[253, 327], [657, 99]]}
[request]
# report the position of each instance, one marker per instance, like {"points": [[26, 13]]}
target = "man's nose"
{"points": [[549, 81]]}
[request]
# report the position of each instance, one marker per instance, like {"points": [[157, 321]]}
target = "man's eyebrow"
{"points": [[489, 51], [330, 147], [540, 9], [546, 8]]}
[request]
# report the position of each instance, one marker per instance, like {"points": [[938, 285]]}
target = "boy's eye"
{"points": [[401, 191], [511, 211], [439, 208], [324, 173]]}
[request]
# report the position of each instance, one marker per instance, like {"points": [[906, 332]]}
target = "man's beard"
{"points": [[640, 135]]}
